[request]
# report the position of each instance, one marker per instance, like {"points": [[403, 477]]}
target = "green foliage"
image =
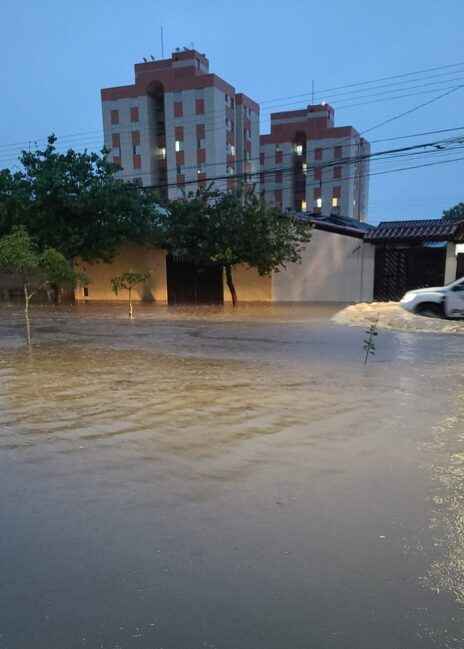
{"points": [[455, 213], [369, 342], [20, 255], [232, 228], [128, 280], [72, 202]]}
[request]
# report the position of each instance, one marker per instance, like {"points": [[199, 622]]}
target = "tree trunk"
{"points": [[230, 284], [131, 310], [27, 298], [57, 294]]}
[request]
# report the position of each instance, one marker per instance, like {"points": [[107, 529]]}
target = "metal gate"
{"points": [[398, 270], [190, 283], [460, 265]]}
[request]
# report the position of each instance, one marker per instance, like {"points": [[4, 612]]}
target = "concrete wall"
{"points": [[250, 286], [450, 263], [134, 258], [334, 268]]}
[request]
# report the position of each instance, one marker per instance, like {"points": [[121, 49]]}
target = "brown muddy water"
{"points": [[203, 479]]}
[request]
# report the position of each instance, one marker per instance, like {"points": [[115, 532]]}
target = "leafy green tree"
{"points": [[455, 213], [230, 229], [128, 281], [37, 270], [73, 202]]}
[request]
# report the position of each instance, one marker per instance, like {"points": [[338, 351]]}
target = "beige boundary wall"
{"points": [[134, 258], [335, 268]]}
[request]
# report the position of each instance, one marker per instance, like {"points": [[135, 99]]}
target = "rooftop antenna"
{"points": [[312, 92], [162, 42]]}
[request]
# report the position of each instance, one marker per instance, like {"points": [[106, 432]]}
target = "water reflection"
{"points": [[447, 518]]}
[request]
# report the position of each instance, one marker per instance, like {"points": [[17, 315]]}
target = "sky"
{"points": [[57, 55]]}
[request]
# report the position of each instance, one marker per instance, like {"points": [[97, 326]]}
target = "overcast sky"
{"points": [[56, 55]]}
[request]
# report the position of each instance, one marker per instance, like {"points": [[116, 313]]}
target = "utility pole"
{"points": [[312, 92], [162, 43]]}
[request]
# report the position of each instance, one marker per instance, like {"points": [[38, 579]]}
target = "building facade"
{"points": [[310, 165], [179, 126]]}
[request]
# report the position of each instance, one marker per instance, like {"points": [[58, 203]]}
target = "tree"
{"points": [[455, 213], [128, 281], [73, 202], [19, 255], [230, 229]]}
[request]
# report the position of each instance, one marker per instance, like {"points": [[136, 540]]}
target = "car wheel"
{"points": [[429, 310]]}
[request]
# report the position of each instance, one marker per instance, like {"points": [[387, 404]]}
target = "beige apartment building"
{"points": [[179, 125]]}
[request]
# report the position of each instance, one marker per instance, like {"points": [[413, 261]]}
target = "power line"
{"points": [[408, 74]]}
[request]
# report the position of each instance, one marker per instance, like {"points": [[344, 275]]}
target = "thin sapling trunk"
{"points": [[27, 298], [230, 284], [131, 310]]}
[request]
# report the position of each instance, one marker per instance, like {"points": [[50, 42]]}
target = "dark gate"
{"points": [[190, 283], [398, 270], [460, 265]]}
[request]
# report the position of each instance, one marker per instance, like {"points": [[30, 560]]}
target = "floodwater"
{"points": [[203, 479]]}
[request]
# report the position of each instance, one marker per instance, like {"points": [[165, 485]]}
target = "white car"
{"points": [[439, 301]]}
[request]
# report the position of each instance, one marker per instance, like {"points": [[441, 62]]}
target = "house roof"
{"points": [[340, 225], [417, 230]]}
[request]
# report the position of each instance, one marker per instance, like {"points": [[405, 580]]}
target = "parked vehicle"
{"points": [[437, 301]]}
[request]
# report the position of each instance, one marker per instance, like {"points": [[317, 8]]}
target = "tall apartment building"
{"points": [[178, 126], [310, 165]]}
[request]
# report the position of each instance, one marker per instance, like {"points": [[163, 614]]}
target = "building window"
{"points": [[319, 202], [115, 116], [135, 142], [137, 161], [303, 206], [337, 172], [200, 143], [179, 145], [338, 152], [134, 114], [261, 159], [230, 171], [335, 201], [318, 173], [318, 154], [162, 152], [278, 176], [278, 196], [199, 106], [231, 149], [279, 156], [299, 149], [278, 147], [86, 291], [178, 109], [304, 168]]}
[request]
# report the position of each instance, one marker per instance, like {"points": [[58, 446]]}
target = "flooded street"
{"points": [[207, 479]]}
